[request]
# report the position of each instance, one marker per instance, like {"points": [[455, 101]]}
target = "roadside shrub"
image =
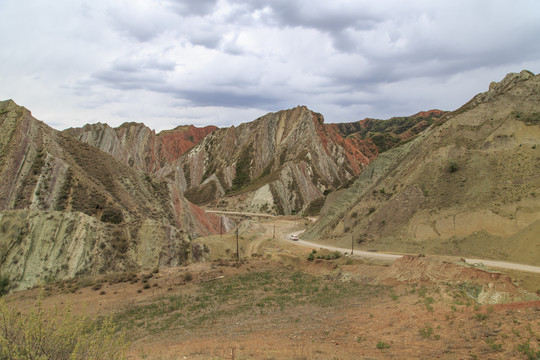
{"points": [[57, 334], [326, 255], [453, 166]]}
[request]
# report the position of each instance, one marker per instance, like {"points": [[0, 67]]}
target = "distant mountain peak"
{"points": [[503, 86]]}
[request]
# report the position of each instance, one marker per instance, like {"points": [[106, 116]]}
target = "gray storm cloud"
{"points": [[173, 62]]}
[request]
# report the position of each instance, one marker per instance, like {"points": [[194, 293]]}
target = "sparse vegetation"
{"points": [[480, 316], [532, 118], [382, 345], [4, 285], [243, 169], [252, 292], [61, 200], [327, 255], [452, 166], [530, 353], [113, 216], [426, 331], [57, 335], [314, 207], [97, 286], [493, 345], [202, 194]]}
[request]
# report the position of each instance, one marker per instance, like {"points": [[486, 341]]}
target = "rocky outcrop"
{"points": [[477, 283], [468, 184], [56, 180], [279, 163], [138, 146], [287, 162], [37, 246], [381, 135]]}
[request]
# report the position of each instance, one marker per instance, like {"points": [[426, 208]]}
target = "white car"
{"points": [[294, 237]]}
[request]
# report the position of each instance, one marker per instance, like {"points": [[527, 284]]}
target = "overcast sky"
{"points": [[224, 62]]}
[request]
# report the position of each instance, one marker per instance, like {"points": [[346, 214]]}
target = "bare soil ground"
{"points": [[276, 304]]}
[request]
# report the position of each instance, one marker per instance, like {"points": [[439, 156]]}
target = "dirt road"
{"points": [[391, 257], [288, 227], [239, 213], [356, 253]]}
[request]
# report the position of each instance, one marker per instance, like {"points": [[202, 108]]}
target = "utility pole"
{"points": [[274, 232], [352, 245], [221, 227], [237, 251]]}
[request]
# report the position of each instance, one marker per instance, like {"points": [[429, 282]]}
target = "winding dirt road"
{"points": [[239, 213], [391, 257], [286, 231]]}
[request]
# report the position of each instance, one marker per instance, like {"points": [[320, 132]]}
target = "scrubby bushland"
{"points": [[57, 335]]}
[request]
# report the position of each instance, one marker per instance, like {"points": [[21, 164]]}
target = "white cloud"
{"points": [[171, 62]]}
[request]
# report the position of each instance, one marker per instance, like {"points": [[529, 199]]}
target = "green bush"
{"points": [[314, 207], [113, 216], [480, 316], [57, 335], [4, 285], [243, 169], [453, 166]]}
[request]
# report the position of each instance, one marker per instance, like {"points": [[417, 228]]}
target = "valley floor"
{"points": [[277, 304]]}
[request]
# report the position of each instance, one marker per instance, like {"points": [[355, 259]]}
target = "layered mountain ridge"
{"points": [[280, 163], [287, 159], [467, 185], [138, 146], [50, 178]]}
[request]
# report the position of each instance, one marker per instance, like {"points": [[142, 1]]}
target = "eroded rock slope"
{"points": [[284, 162], [59, 193], [469, 184]]}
